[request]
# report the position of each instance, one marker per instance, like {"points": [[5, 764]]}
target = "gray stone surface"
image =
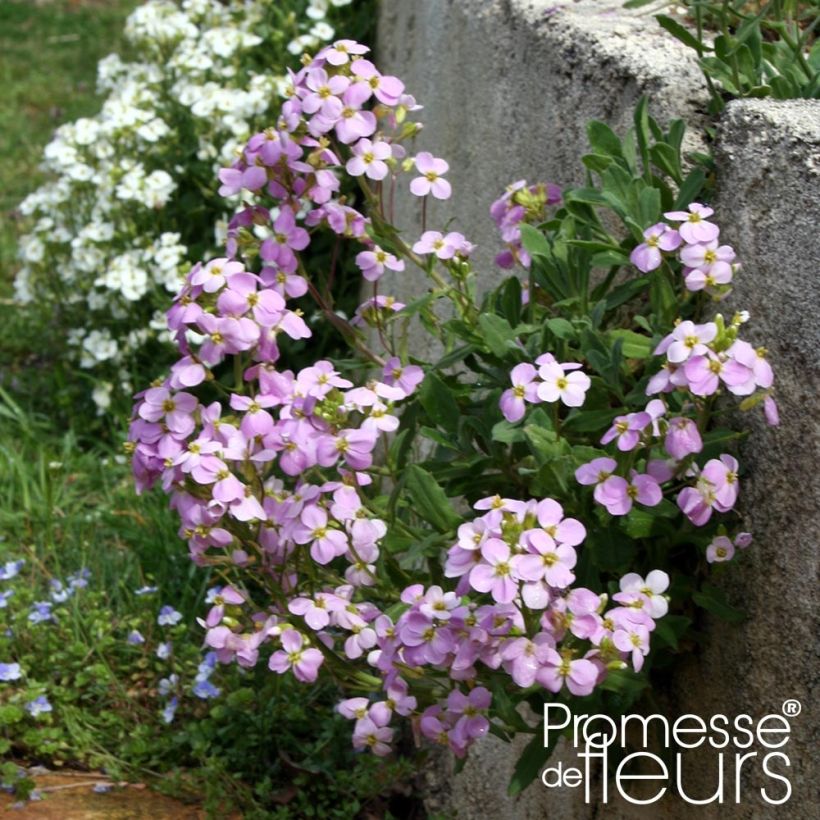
{"points": [[507, 87]]}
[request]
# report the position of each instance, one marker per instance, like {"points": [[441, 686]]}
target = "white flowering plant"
{"points": [[131, 197]]}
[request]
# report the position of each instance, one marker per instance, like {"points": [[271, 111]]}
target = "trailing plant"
{"points": [[514, 518]]}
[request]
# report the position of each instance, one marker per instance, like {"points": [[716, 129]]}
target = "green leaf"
{"points": [[438, 402], [497, 333], [439, 438], [532, 760], [649, 206], [507, 433], [561, 328], [544, 443], [510, 300], [603, 139], [670, 629], [430, 500], [679, 32], [714, 600], [10, 714], [691, 188], [633, 345], [534, 242], [590, 421], [628, 290]]}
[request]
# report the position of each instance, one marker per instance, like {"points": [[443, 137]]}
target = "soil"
{"points": [[71, 796]]}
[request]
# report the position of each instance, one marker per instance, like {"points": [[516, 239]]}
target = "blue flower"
{"points": [[135, 638], [79, 579], [170, 710], [10, 671], [41, 612], [102, 788], [164, 651], [4, 598], [38, 706], [145, 590], [168, 616], [212, 594], [167, 685], [11, 569], [59, 593], [205, 689]]}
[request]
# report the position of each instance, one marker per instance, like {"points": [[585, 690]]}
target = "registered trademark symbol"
{"points": [[792, 708]]}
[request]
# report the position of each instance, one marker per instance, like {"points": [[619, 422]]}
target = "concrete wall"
{"points": [[508, 86]]}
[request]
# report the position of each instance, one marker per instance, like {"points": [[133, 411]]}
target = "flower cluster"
{"points": [[275, 473], [113, 231], [707, 265], [545, 381]]}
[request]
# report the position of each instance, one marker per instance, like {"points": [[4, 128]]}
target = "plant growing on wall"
{"points": [[530, 513], [749, 48]]}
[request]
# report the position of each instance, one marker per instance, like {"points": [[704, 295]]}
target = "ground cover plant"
{"points": [[520, 517]]}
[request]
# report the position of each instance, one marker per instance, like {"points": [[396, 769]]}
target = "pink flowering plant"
{"points": [[530, 514]]}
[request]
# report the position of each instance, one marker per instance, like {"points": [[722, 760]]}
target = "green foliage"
{"points": [[750, 49]]}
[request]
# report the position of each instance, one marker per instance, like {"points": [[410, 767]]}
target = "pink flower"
{"points": [[721, 549], [471, 724], [325, 543], [627, 430], [546, 560], [550, 515], [686, 340], [430, 181], [617, 494], [340, 52], [324, 93], [705, 373], [556, 384], [444, 247], [683, 438], [497, 573], [304, 662], [367, 735], [286, 239], [771, 412], [647, 256], [234, 180], [656, 583], [524, 389], [709, 258], [385, 88], [373, 263], [316, 611], [633, 638], [405, 377], [694, 227], [369, 159], [523, 657], [579, 676]]}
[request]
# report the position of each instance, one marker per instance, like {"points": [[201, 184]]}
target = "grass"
{"points": [[48, 56]]}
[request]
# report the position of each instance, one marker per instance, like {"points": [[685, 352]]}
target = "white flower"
{"points": [[101, 395]]}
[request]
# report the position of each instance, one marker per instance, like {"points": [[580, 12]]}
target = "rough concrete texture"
{"points": [[507, 87]]}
